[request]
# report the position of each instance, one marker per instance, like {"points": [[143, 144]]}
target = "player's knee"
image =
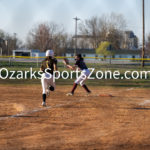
{"points": [[76, 82], [51, 88], [81, 83]]}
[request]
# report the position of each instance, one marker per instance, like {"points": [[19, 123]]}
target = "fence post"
{"points": [[37, 62], [9, 61]]}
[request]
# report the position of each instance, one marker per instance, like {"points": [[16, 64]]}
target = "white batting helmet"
{"points": [[50, 53]]}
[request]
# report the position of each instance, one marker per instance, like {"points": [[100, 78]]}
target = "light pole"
{"points": [[76, 32], [143, 46]]}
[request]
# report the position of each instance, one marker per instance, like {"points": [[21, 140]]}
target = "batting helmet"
{"points": [[50, 53]]}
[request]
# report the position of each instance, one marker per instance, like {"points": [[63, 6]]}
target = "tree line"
{"points": [[49, 35]]}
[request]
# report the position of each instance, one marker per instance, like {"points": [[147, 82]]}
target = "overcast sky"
{"points": [[19, 16]]}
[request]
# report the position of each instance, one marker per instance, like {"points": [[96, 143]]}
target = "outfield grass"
{"points": [[96, 82], [122, 68]]}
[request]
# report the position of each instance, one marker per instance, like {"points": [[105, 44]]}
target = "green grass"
{"points": [[17, 66]]}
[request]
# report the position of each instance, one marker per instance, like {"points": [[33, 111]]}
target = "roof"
{"points": [[27, 50]]}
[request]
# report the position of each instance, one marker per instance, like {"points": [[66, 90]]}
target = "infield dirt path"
{"points": [[121, 122]]}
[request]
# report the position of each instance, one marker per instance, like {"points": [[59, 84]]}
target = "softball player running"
{"points": [[49, 65], [84, 74]]}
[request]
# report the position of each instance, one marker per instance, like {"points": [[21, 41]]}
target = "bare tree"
{"points": [[9, 42], [148, 45], [148, 42], [47, 36], [97, 29], [91, 29]]}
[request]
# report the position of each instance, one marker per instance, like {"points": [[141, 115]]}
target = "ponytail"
{"points": [[48, 58]]}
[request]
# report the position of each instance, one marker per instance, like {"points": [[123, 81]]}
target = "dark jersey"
{"points": [[49, 65], [81, 64]]}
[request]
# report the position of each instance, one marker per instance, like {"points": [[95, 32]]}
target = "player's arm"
{"points": [[42, 68], [55, 67], [66, 63], [72, 67]]}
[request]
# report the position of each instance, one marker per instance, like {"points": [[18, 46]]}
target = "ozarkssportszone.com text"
{"points": [[94, 74]]}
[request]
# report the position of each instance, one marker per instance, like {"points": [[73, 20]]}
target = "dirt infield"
{"points": [[121, 122]]}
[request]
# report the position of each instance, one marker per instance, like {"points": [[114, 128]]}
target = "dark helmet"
{"points": [[79, 56]]}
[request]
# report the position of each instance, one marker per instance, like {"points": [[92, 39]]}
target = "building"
{"points": [[30, 53], [130, 41], [117, 53], [127, 54]]}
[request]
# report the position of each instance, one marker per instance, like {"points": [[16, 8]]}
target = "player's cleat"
{"points": [[51, 88], [44, 104], [69, 94], [88, 94]]}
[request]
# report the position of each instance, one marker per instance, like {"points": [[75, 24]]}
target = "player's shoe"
{"points": [[69, 94], [44, 104], [88, 94], [51, 88]]}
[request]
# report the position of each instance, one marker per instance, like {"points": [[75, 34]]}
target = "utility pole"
{"points": [[143, 46], [76, 32]]}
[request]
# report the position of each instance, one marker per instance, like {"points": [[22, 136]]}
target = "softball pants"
{"points": [[84, 75], [46, 81]]}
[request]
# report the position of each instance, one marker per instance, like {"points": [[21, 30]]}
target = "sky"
{"points": [[19, 16]]}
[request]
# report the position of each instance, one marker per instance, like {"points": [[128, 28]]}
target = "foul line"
{"points": [[38, 110], [50, 107]]}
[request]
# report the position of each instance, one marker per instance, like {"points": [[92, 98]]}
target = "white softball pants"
{"points": [[46, 81], [81, 79]]}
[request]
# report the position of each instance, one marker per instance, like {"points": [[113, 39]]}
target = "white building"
{"points": [[130, 41], [30, 53], [127, 54]]}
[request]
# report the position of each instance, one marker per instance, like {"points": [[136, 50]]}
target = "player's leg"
{"points": [[82, 82], [44, 87], [84, 86], [73, 90], [51, 84], [74, 87], [77, 81], [43, 91]]}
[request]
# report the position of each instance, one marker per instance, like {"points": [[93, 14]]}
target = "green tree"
{"points": [[105, 49]]}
